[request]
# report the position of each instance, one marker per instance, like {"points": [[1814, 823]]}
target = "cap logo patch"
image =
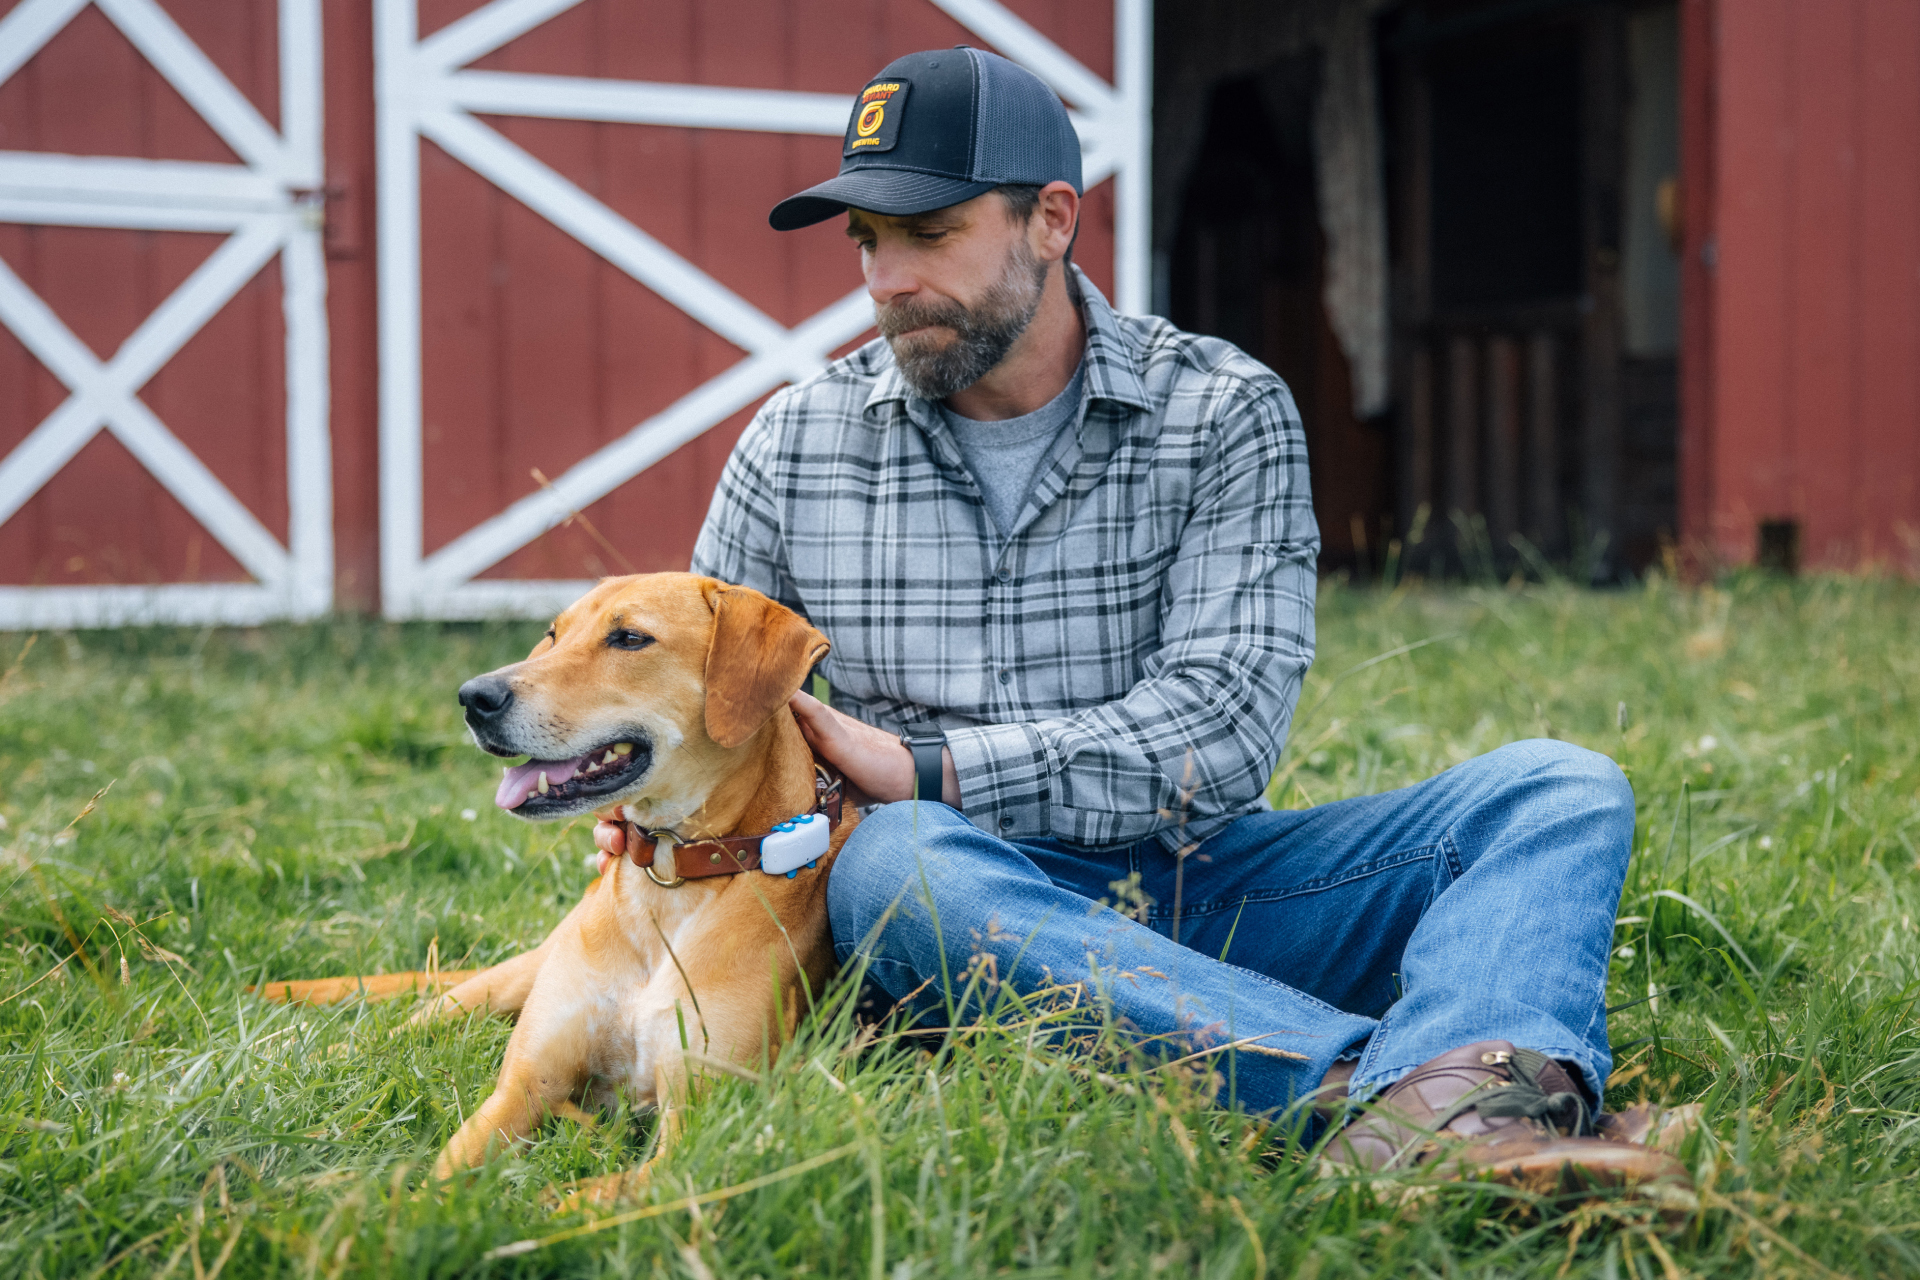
{"points": [[875, 125]]}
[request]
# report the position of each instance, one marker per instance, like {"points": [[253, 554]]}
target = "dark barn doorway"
{"points": [[1528, 310], [1531, 152], [1246, 265]]}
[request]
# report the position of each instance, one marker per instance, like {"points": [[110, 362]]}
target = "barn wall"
{"points": [[1803, 278]]}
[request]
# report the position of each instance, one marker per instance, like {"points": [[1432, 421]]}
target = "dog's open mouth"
{"points": [[540, 786]]}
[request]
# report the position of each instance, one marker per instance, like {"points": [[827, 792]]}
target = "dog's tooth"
{"points": [[609, 759], [543, 784], [623, 748]]}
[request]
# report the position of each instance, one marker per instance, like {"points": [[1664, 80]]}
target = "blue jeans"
{"points": [[1477, 905]]}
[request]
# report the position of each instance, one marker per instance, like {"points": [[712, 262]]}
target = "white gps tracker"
{"points": [[794, 844]]}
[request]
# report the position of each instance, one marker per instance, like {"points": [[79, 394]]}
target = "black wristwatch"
{"points": [[928, 745]]}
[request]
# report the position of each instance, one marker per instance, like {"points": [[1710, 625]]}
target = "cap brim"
{"points": [[897, 192]]}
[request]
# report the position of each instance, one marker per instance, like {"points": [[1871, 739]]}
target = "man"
{"points": [[1075, 551]]}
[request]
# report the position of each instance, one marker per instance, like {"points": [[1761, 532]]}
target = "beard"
{"points": [[935, 366]]}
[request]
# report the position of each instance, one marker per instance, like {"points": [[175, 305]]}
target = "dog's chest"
{"points": [[635, 1020]]}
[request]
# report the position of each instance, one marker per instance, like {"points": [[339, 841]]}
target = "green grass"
{"points": [[290, 802]]}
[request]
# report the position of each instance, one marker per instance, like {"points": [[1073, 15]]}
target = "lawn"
{"points": [[300, 801]]}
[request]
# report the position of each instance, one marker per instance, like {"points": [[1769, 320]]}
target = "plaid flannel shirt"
{"points": [[1125, 664]]}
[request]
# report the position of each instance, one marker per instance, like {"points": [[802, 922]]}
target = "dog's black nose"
{"points": [[485, 697]]}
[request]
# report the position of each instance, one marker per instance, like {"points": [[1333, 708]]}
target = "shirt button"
{"points": [[1005, 575], [1006, 677], [1006, 823]]}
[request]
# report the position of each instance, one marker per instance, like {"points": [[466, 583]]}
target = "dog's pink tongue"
{"points": [[523, 780]]}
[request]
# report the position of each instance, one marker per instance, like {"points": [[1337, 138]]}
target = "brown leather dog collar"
{"points": [[725, 855]]}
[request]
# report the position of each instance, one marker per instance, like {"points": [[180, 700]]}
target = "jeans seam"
{"points": [[1295, 992], [875, 962], [1451, 850], [1370, 1056]]}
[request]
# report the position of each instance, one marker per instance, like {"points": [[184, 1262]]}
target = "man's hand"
{"points": [[877, 767], [872, 760], [610, 838]]}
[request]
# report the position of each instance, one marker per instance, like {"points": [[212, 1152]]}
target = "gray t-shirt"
{"points": [[1006, 457]]}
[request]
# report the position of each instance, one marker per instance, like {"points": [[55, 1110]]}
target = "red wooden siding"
{"points": [[1803, 314], [352, 325]]}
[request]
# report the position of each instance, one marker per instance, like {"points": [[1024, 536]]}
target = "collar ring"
{"points": [[672, 841]]}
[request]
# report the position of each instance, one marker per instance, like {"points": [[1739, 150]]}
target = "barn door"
{"points": [[576, 275], [163, 424], [1537, 289]]}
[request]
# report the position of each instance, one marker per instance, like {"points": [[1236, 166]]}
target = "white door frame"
{"points": [[265, 203], [423, 93]]}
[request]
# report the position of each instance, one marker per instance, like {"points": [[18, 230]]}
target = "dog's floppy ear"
{"points": [[761, 651]]}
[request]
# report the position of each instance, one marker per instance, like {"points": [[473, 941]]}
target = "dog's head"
{"points": [[643, 692]]}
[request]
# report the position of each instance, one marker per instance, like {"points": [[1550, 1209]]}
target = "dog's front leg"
{"points": [[671, 1025], [501, 990], [548, 1060], [544, 1070]]}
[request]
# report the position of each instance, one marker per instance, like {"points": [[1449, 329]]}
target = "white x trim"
{"points": [[423, 93], [259, 204]]}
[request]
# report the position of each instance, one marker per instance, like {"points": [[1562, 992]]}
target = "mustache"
{"points": [[908, 314]]}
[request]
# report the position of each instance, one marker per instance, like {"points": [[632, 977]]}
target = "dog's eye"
{"points": [[624, 639], [551, 637]]}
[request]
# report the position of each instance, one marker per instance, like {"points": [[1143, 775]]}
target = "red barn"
{"points": [[445, 307]]}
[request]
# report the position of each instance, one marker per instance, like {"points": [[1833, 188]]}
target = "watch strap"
{"points": [[928, 745]]}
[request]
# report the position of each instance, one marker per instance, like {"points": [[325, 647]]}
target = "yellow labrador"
{"points": [[661, 698]]}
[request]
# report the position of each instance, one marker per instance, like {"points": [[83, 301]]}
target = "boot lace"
{"points": [[1523, 1097]]}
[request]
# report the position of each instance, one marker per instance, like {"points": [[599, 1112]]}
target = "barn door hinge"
{"points": [[333, 210]]}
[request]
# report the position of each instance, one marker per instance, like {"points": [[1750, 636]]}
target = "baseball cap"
{"points": [[939, 127]]}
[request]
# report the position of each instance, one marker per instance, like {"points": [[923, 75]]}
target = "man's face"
{"points": [[953, 290]]}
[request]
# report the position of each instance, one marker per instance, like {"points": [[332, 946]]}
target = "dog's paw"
{"points": [[437, 1009], [426, 1015], [597, 1195]]}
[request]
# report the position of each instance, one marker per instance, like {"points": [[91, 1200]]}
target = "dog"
{"points": [[660, 700]]}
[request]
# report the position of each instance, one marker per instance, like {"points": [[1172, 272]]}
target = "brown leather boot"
{"points": [[1649, 1124], [1330, 1099], [1491, 1110]]}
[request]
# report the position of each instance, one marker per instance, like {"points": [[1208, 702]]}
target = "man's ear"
{"points": [[761, 651]]}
